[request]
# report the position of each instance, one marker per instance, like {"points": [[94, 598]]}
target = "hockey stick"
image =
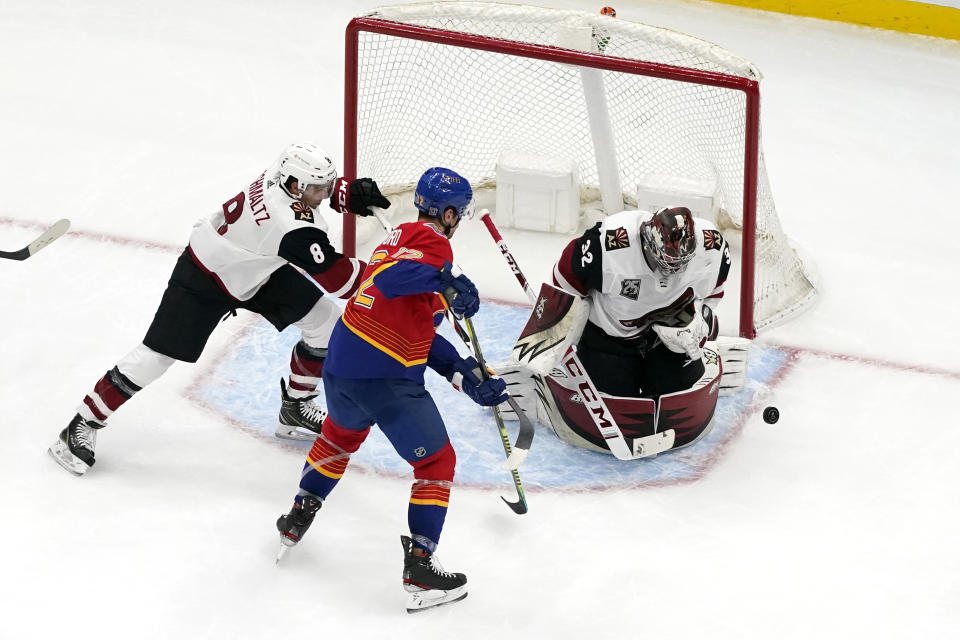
{"points": [[520, 449], [52, 233], [525, 436], [507, 255]]}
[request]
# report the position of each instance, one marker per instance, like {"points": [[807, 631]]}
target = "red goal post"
{"points": [[401, 60]]}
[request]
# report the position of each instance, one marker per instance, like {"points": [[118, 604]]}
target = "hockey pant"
{"points": [[407, 415], [192, 306]]}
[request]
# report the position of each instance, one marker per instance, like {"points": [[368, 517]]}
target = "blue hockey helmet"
{"points": [[440, 189]]}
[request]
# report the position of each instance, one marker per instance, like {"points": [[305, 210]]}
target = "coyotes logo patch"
{"points": [[617, 239], [712, 239], [302, 211]]}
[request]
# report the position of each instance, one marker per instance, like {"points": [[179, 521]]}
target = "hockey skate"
{"points": [[425, 580], [74, 449], [300, 418], [294, 525]]}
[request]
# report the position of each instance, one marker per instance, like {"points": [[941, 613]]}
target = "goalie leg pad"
{"points": [[689, 413]]}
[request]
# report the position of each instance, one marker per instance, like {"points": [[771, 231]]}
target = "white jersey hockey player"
{"points": [[252, 253], [632, 375], [653, 282]]}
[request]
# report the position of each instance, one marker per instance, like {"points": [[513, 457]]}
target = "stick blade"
{"points": [[519, 507], [58, 228]]}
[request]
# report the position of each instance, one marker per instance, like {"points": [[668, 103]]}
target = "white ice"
{"points": [[134, 118]]}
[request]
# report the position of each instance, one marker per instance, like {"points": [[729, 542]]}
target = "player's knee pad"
{"points": [[438, 466], [143, 365], [319, 322], [346, 440]]}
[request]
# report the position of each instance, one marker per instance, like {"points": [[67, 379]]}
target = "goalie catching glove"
{"points": [[465, 376], [356, 196], [690, 338]]}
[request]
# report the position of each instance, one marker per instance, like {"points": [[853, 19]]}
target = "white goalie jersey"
{"points": [[261, 229], [626, 295]]}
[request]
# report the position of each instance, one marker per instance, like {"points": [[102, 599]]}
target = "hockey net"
{"points": [[455, 83]]}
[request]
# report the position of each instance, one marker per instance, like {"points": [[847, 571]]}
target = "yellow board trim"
{"points": [[896, 15]]}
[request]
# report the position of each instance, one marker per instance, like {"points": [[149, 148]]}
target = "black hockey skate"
{"points": [[300, 418], [74, 449], [426, 581], [294, 525]]}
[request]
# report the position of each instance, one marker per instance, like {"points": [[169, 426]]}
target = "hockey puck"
{"points": [[771, 415]]}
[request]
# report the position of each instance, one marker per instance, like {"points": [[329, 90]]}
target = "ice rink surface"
{"points": [[133, 119]]}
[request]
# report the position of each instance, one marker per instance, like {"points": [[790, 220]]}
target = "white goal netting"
{"points": [[422, 103]]}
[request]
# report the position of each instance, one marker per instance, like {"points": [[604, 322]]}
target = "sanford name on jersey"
{"points": [[608, 260]]}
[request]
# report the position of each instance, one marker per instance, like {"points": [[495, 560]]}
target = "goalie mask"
{"points": [[309, 165], [440, 189], [669, 240]]}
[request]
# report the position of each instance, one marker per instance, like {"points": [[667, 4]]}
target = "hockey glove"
{"points": [[355, 196], [687, 339], [465, 377], [459, 292]]}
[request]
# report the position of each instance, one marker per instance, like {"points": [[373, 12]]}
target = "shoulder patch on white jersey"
{"points": [[617, 239], [301, 211], [712, 239]]}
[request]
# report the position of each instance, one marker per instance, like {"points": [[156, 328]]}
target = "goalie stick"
{"points": [[507, 255], [517, 453], [52, 233]]}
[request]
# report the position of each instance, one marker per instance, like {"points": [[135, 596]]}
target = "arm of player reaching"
{"points": [[309, 248], [357, 196], [465, 375], [407, 277], [579, 268]]}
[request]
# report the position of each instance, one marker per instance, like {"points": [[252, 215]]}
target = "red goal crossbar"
{"points": [[749, 87]]}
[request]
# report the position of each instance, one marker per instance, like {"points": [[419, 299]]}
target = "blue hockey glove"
{"points": [[465, 377], [459, 291]]}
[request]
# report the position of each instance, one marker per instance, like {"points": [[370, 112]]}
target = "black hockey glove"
{"points": [[356, 196], [459, 292], [465, 377]]}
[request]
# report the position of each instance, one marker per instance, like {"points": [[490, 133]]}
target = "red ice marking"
{"points": [[719, 450], [99, 237], [872, 362]]}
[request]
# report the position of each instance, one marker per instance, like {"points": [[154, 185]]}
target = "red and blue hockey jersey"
{"points": [[388, 328]]}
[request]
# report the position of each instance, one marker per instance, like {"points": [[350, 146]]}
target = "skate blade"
{"points": [[288, 432], [430, 598], [282, 552], [60, 452]]}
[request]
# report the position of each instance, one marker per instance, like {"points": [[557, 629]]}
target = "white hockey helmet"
{"points": [[309, 165]]}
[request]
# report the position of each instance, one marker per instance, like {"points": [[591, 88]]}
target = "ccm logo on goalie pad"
{"points": [[593, 404]]}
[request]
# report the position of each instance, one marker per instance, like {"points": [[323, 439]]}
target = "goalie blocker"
{"points": [[552, 385]]}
